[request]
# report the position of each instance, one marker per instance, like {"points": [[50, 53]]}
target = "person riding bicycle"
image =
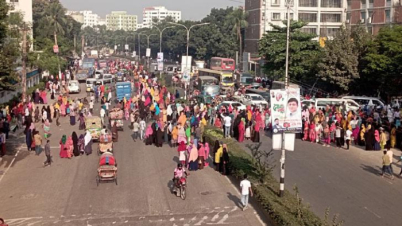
{"points": [[178, 173]]}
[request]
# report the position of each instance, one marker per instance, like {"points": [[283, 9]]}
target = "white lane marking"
{"points": [[224, 218], [201, 221], [181, 219], [216, 216], [9, 166], [171, 219], [372, 212]]}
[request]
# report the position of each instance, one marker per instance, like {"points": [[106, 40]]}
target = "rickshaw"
{"points": [[107, 170], [94, 126], [105, 144], [116, 116]]}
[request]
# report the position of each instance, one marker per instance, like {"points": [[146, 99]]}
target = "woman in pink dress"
{"points": [[63, 109], [63, 149], [241, 131], [44, 96], [312, 132], [70, 146]]}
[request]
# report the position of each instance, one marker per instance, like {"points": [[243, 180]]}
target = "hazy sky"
{"points": [[191, 9]]}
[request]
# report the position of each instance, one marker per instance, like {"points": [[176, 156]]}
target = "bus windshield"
{"points": [[247, 81], [227, 79]]}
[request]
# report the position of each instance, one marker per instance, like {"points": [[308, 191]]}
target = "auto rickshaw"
{"points": [[107, 170], [94, 126]]}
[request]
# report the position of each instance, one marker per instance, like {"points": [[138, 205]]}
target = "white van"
{"points": [[323, 102], [90, 84], [363, 101]]}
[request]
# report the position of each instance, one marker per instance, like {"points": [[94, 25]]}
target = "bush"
{"points": [[286, 210]]}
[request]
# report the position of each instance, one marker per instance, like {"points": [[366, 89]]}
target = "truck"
{"points": [[225, 78], [123, 89]]}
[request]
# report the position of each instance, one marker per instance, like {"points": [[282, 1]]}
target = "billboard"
{"points": [[159, 59], [286, 110], [148, 52], [186, 63]]}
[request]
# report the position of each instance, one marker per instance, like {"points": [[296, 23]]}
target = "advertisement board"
{"points": [[286, 110], [148, 53], [186, 63], [159, 59]]}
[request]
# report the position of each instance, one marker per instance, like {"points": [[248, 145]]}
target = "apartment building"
{"points": [[374, 14], [158, 13], [24, 7], [120, 20], [77, 16], [324, 18], [90, 18]]}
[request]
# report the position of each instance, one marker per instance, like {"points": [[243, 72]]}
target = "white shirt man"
{"points": [[245, 186]]}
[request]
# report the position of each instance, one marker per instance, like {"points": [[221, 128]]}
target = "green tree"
{"points": [[339, 64], [383, 60], [238, 20], [303, 52]]}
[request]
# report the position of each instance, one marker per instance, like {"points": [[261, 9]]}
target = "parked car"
{"points": [[236, 104], [363, 101], [254, 99], [74, 86], [321, 103]]}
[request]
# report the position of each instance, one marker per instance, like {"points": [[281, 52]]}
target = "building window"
{"points": [[14, 1], [275, 2], [328, 32], [363, 15], [291, 16], [387, 16], [331, 3], [276, 16], [363, 3], [309, 30], [308, 17], [308, 3], [327, 17]]}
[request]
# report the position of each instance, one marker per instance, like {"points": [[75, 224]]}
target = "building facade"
{"points": [[158, 13], [90, 19], [374, 14], [120, 20], [77, 16], [324, 18]]}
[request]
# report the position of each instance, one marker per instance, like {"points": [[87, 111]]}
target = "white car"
{"points": [[236, 104], [107, 78], [74, 86], [254, 99]]}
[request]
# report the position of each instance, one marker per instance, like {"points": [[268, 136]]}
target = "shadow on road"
{"points": [[170, 186], [374, 170], [235, 199], [176, 159]]}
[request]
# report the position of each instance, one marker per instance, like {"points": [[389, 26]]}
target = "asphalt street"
{"points": [[346, 181], [66, 192]]}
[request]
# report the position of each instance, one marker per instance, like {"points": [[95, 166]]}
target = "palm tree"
{"points": [[55, 19], [238, 19]]}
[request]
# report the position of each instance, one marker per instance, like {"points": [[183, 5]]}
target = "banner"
{"points": [[148, 53], [126, 46], [286, 110], [159, 59]]}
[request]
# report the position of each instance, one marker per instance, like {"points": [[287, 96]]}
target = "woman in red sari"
{"points": [[241, 131], [63, 149]]}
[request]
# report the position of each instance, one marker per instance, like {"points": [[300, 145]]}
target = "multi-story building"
{"points": [[158, 13], [77, 16], [90, 19], [374, 14], [24, 7], [101, 22], [324, 18], [120, 20]]}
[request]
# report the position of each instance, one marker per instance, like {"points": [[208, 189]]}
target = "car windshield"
{"points": [[247, 81], [227, 79], [256, 98]]}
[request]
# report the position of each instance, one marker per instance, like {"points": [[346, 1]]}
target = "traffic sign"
{"points": [[56, 49]]}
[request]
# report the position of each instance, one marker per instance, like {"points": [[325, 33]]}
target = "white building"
{"points": [[23, 6], [158, 13], [139, 26], [101, 22], [90, 19], [120, 20], [324, 18]]}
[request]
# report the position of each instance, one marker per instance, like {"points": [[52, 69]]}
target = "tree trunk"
{"points": [[55, 38], [240, 47], [24, 69]]}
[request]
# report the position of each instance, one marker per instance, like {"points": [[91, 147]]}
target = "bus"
{"points": [[225, 78], [208, 85], [222, 64]]}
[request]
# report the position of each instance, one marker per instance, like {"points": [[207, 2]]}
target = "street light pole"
{"points": [[148, 36], [188, 42]]}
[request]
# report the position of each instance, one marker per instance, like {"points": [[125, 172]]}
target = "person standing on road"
{"points": [[348, 137], [38, 143], [91, 106], [386, 165], [136, 128], [102, 115], [246, 190], [227, 122], [142, 128], [47, 153], [2, 143]]}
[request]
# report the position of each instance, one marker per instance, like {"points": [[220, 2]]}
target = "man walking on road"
{"points": [[227, 122], [47, 153], [245, 186]]}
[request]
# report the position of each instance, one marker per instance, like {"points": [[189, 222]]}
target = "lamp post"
{"points": [[160, 42], [188, 41], [148, 36]]}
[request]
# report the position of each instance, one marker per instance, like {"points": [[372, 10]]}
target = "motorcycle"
{"points": [[180, 188]]}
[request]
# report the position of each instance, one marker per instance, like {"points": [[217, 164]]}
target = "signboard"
{"points": [[56, 49], [159, 59], [286, 110], [115, 47], [134, 53], [126, 46], [186, 60], [148, 53]]}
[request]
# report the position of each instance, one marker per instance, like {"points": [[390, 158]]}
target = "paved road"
{"points": [[66, 192], [347, 181]]}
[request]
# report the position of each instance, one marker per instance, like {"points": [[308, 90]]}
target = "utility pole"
{"points": [[24, 69], [283, 157]]}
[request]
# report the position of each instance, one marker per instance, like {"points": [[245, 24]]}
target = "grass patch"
{"points": [[287, 210]]}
